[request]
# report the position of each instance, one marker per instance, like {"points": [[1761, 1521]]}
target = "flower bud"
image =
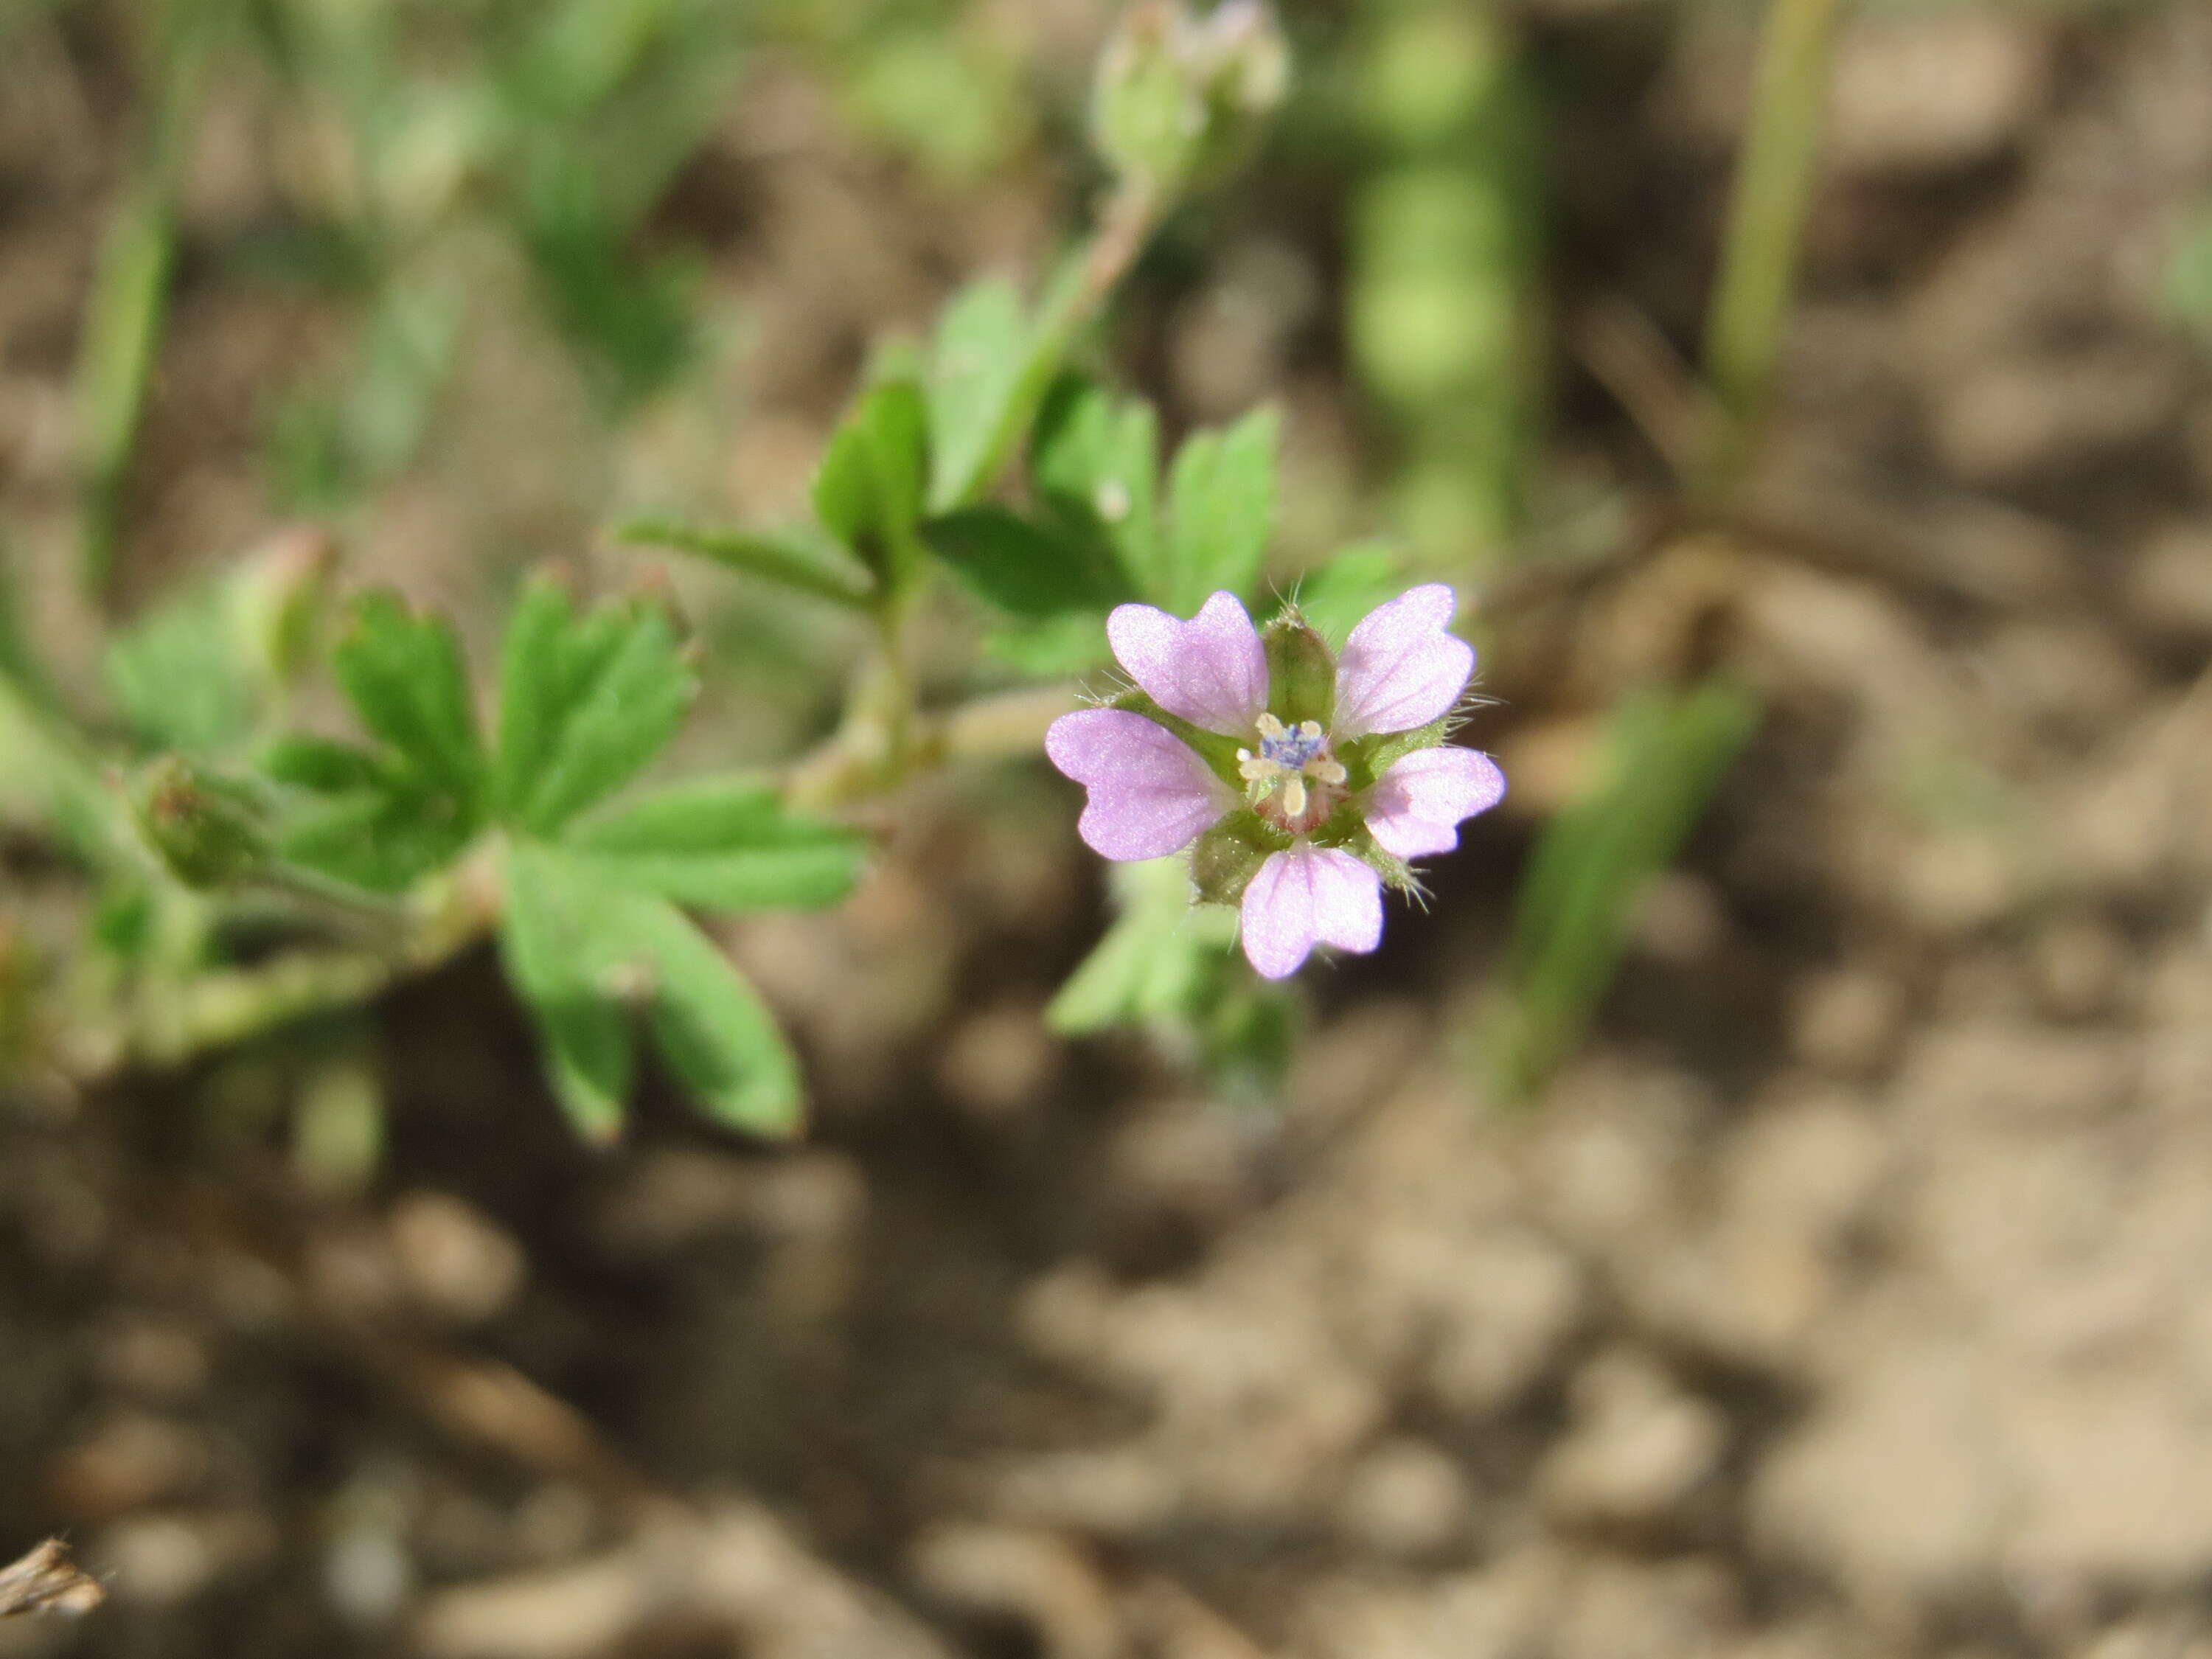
{"points": [[1178, 102], [1301, 671], [208, 830], [280, 598]]}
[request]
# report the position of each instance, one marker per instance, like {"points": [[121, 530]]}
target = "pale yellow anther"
{"points": [[1294, 795]]}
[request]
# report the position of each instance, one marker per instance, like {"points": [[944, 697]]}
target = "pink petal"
{"points": [[1400, 669], [1212, 670], [1417, 806], [1150, 795], [1309, 895]]}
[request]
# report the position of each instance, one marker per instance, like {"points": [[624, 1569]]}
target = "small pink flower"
{"points": [[1313, 819]]}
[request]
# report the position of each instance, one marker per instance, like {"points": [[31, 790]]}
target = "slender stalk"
{"points": [[1766, 222]]}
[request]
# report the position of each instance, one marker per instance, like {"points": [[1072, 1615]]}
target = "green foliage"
{"points": [[122, 331], [591, 958], [868, 492], [632, 322], [1179, 101], [982, 367], [1170, 969], [208, 829], [586, 703], [1666, 755], [179, 677], [381, 820], [1335, 597], [800, 559], [1442, 306], [325, 449], [404, 675], [1221, 506], [1019, 567], [722, 844], [1094, 464]]}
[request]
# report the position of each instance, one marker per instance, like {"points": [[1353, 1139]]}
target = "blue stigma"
{"points": [[1292, 750]]}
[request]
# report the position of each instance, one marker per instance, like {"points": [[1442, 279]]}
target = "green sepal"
{"points": [[1301, 671], [1224, 860], [1366, 759], [1220, 753], [1397, 875]]}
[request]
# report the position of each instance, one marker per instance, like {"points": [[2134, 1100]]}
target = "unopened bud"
{"points": [[1180, 101], [1301, 671], [280, 598], [209, 830]]}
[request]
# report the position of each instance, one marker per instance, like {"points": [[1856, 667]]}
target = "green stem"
{"points": [[1766, 222], [129, 304]]}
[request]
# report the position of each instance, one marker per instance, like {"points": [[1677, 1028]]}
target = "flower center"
{"points": [[1293, 778]]}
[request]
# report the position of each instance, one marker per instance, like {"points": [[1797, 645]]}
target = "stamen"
{"points": [[1294, 795]]}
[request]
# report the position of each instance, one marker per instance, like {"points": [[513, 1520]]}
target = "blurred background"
{"points": [[1846, 1291]]}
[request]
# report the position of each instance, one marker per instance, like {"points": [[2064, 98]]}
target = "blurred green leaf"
{"points": [[115, 357], [1335, 596], [721, 844], [1172, 967], [1222, 510], [1666, 755], [1074, 642], [631, 318], [1095, 462], [553, 940], [868, 491], [586, 703], [586, 954], [1153, 961], [1018, 568], [796, 558], [322, 766], [382, 832], [404, 675], [979, 368], [18, 659], [326, 450], [179, 674]]}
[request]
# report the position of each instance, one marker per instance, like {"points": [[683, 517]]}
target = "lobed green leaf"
{"points": [[980, 366], [722, 844], [587, 954], [811, 563], [1221, 506], [869, 490], [1018, 567], [586, 703], [404, 675]]}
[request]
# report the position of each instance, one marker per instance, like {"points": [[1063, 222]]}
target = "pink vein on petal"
{"points": [[1306, 896], [1417, 807], [1400, 669], [1150, 794], [1212, 670]]}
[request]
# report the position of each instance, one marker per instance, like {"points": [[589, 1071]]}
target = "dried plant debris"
{"points": [[47, 1581]]}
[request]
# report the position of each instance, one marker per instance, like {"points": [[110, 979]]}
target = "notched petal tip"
{"points": [[1419, 803], [1400, 669], [1150, 795], [1211, 671], [1306, 896]]}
